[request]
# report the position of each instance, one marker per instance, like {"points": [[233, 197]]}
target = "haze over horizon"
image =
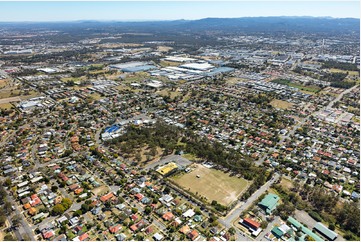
{"points": [[157, 11]]}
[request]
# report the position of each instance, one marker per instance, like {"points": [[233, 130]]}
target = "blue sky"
{"points": [[170, 10]]}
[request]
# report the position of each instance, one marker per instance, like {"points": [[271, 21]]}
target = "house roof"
{"points": [[133, 227], [32, 211], [27, 206], [277, 232], [115, 228], [193, 235], [168, 216], [107, 197], [139, 196], [83, 236], [185, 229], [252, 222], [48, 234]]}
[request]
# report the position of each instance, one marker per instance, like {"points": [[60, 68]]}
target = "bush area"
{"points": [[321, 205], [167, 137], [338, 65], [336, 79]]}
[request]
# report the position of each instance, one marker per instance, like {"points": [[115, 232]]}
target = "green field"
{"points": [[307, 89], [212, 184]]}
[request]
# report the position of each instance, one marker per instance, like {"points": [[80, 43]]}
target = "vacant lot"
{"points": [[212, 184], [100, 190], [281, 104], [286, 183]]}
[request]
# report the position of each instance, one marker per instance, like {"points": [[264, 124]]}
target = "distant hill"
{"points": [[248, 24]]}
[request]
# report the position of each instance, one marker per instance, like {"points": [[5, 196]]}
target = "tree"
{"points": [[58, 209], [7, 182], [134, 210], [2, 220], [166, 190], [9, 237], [147, 210], [66, 202], [264, 224], [16, 220], [54, 188], [138, 157], [78, 213], [7, 207], [85, 208], [232, 231]]}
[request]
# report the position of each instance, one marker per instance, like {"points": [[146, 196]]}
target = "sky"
{"points": [[171, 10]]}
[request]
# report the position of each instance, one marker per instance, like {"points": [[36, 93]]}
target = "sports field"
{"points": [[212, 184]]}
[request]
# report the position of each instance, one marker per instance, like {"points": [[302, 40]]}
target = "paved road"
{"points": [[338, 98], [176, 158], [10, 99], [9, 136], [24, 226], [261, 237], [234, 214], [302, 121]]}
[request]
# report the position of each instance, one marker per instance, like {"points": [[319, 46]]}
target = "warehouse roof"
{"points": [[269, 202], [305, 230], [331, 235]]}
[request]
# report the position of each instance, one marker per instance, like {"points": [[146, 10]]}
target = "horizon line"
{"points": [[167, 20]]}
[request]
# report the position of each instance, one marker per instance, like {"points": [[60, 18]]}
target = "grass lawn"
{"points": [[164, 48], [168, 63], [351, 73], [70, 235], [121, 88], [212, 184], [191, 157], [6, 106], [166, 92], [74, 79], [280, 104], [96, 96], [3, 83], [234, 80], [305, 89]]}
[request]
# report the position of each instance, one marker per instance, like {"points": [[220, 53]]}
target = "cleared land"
{"points": [[281, 104], [212, 184], [100, 190], [286, 183]]}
